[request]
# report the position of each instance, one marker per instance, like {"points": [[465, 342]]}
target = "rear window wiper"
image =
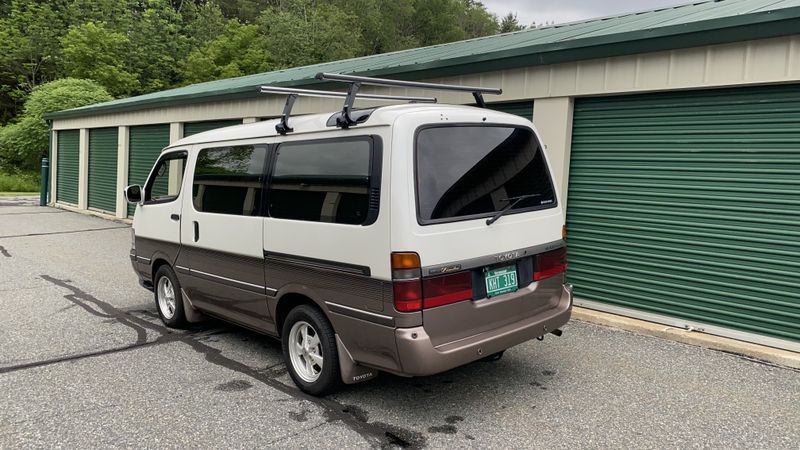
{"points": [[512, 202]]}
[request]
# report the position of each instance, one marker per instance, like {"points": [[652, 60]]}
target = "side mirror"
{"points": [[133, 193]]}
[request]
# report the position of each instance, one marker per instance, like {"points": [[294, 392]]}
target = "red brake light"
{"points": [[407, 295], [446, 289], [550, 263]]}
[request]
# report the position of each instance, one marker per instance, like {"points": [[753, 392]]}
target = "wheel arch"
{"points": [[156, 264], [290, 298]]}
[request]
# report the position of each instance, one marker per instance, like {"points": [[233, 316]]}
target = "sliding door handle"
{"points": [[196, 231], [175, 217]]}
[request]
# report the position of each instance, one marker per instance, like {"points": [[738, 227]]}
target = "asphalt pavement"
{"points": [[85, 363]]}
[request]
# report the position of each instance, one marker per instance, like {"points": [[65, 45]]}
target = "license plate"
{"points": [[501, 281]]}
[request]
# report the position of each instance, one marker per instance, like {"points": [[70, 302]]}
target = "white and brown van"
{"points": [[420, 238]]}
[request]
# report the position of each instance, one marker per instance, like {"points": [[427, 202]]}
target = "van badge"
{"points": [[445, 269], [507, 256]]}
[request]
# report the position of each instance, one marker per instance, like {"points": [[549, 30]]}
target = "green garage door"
{"points": [[103, 169], [688, 205], [146, 143], [523, 108], [199, 127], [67, 151]]}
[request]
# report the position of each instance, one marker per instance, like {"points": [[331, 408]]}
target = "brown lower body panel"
{"points": [[418, 355]]}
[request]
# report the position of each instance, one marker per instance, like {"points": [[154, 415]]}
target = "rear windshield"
{"points": [[466, 172]]}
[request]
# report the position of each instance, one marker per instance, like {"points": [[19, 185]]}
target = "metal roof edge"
{"points": [[757, 25]]}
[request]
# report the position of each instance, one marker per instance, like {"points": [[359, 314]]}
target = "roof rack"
{"points": [[283, 126], [346, 120], [356, 81]]}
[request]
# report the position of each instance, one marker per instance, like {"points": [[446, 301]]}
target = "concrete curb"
{"points": [[754, 351]]}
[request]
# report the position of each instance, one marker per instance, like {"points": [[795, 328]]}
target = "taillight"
{"points": [[446, 289], [407, 295], [412, 294], [550, 263]]}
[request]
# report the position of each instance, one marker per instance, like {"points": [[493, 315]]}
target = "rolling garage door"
{"points": [[687, 205], [146, 143], [103, 169], [199, 127], [523, 108], [67, 156]]}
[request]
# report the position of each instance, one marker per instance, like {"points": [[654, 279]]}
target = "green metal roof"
{"points": [[694, 24]]}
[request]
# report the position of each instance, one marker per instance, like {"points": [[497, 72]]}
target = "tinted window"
{"points": [[227, 180], [165, 182], [467, 171], [322, 181]]}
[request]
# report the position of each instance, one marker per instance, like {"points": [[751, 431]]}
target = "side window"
{"points": [[333, 181], [227, 180], [165, 182]]}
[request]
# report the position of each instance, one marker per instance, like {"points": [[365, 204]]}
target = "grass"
{"points": [[15, 183], [18, 194]]}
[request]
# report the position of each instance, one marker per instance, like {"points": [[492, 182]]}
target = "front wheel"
{"points": [[169, 301], [309, 351]]}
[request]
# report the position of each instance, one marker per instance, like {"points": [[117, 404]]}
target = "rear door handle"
{"points": [[175, 217], [196, 231]]}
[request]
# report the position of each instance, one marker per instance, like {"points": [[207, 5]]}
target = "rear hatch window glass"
{"points": [[467, 172]]}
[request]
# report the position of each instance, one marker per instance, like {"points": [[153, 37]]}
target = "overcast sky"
{"points": [[560, 11]]}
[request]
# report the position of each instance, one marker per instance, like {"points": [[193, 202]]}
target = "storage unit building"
{"points": [[673, 135]]}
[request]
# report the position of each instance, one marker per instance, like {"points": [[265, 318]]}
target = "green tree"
{"points": [[438, 21], [28, 52], [24, 143], [476, 20], [159, 42], [384, 26], [202, 22], [240, 50], [510, 23], [93, 51], [302, 33]]}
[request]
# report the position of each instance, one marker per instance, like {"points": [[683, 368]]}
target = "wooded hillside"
{"points": [[133, 47]]}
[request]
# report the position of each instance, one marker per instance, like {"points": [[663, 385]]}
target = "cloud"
{"points": [[561, 11]]}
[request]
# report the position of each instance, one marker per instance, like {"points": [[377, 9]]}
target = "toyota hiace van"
{"points": [[409, 238]]}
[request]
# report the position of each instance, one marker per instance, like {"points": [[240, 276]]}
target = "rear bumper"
{"points": [[418, 356]]}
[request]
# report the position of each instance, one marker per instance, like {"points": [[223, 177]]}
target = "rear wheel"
{"points": [[309, 351], [169, 301]]}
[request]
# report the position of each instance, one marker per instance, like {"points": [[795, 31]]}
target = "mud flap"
{"points": [[352, 372], [192, 315]]}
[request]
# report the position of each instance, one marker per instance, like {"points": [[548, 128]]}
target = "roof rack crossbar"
{"points": [[403, 83], [337, 94], [352, 93], [356, 82]]}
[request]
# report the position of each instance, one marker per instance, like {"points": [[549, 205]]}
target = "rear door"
{"points": [[465, 176], [222, 232]]}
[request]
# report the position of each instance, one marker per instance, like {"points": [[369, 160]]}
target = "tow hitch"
{"points": [[555, 332]]}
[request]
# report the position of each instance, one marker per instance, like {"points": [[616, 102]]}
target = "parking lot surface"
{"points": [[85, 363]]}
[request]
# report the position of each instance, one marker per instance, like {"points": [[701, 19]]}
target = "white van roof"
{"points": [[384, 115]]}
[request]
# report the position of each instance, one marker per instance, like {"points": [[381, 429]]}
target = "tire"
{"points": [[169, 307], [302, 360]]}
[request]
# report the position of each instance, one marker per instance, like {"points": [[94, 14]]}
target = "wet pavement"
{"points": [[85, 363]]}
